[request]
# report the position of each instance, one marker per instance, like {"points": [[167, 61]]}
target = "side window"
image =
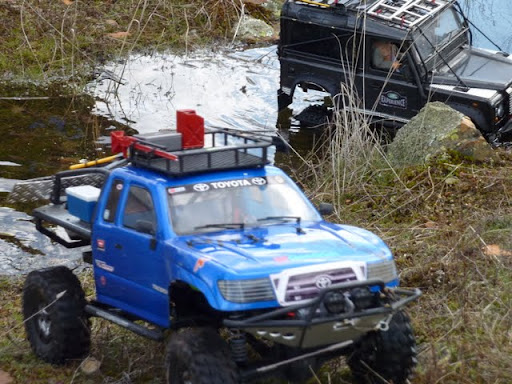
{"points": [[109, 214], [139, 212], [385, 56]]}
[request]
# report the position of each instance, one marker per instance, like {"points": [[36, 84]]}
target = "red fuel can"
{"points": [[191, 127]]}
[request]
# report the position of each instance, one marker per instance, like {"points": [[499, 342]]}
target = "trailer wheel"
{"points": [[199, 356], [53, 309], [388, 355]]}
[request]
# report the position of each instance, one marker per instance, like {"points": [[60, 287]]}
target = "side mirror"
{"points": [[145, 226], [325, 209]]}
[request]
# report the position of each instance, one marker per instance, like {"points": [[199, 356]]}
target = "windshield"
{"points": [[435, 34], [235, 204]]}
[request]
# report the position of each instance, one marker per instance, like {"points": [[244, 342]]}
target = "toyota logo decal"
{"points": [[259, 181], [322, 282], [201, 187]]}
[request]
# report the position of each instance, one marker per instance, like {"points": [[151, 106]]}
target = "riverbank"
{"points": [[60, 43]]}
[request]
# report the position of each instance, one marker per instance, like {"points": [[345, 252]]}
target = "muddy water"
{"points": [[237, 89]]}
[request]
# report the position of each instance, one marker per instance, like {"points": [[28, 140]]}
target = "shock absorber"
{"points": [[238, 345]]}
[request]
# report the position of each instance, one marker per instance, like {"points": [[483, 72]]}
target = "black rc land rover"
{"points": [[394, 56]]}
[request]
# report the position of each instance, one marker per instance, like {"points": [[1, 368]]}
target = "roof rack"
{"points": [[406, 13], [227, 149]]}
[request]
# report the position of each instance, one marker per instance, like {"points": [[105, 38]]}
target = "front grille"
{"points": [[306, 286]]}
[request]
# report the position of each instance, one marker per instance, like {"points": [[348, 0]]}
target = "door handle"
{"points": [[118, 246]]}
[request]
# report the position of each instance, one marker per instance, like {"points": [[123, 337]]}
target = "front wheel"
{"points": [[388, 355], [55, 321], [199, 356]]}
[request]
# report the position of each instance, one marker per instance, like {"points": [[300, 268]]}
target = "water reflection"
{"points": [[493, 18], [22, 248], [229, 89]]}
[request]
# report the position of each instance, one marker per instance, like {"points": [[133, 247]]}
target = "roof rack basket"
{"points": [[406, 13], [227, 149]]}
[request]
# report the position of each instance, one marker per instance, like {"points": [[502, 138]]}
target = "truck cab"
{"points": [[337, 48]]}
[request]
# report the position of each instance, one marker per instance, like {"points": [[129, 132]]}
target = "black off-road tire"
{"points": [[199, 356], [59, 331], [389, 354]]}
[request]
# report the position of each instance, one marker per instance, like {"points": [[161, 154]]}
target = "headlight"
{"points": [[246, 291], [499, 110], [384, 270]]}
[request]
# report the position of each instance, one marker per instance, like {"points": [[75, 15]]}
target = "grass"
{"points": [[449, 226], [62, 41], [124, 357]]}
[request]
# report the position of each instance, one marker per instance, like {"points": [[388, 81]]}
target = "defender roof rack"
{"points": [[192, 149], [406, 13], [401, 13]]}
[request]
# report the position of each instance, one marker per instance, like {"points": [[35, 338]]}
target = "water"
{"points": [[235, 89], [493, 17], [229, 89]]}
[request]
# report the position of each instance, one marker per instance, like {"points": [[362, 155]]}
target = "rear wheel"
{"points": [[55, 321], [199, 356], [388, 355]]}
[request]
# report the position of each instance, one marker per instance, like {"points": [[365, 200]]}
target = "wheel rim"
{"points": [[43, 323]]}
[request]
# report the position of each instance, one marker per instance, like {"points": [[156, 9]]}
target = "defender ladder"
{"points": [[406, 13]]}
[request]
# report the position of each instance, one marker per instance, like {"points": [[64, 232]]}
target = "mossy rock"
{"points": [[438, 132]]}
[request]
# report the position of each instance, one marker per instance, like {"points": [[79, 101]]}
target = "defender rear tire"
{"points": [[53, 309], [199, 356], [389, 354]]}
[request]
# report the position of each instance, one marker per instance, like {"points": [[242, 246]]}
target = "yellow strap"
{"points": [[315, 3], [95, 162]]}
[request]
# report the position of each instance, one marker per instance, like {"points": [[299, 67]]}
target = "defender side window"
{"points": [[385, 56], [109, 214], [139, 213]]}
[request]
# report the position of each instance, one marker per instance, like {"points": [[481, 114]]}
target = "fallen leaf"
{"points": [[67, 2], [430, 224], [5, 378], [118, 35], [494, 250], [111, 22], [90, 366]]}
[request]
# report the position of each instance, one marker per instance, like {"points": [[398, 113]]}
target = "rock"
{"points": [[439, 131], [251, 28], [274, 6]]}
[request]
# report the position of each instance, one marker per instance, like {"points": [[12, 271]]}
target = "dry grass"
{"points": [[124, 357]]}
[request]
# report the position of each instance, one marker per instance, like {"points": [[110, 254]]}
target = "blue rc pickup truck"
{"points": [[192, 234]]}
